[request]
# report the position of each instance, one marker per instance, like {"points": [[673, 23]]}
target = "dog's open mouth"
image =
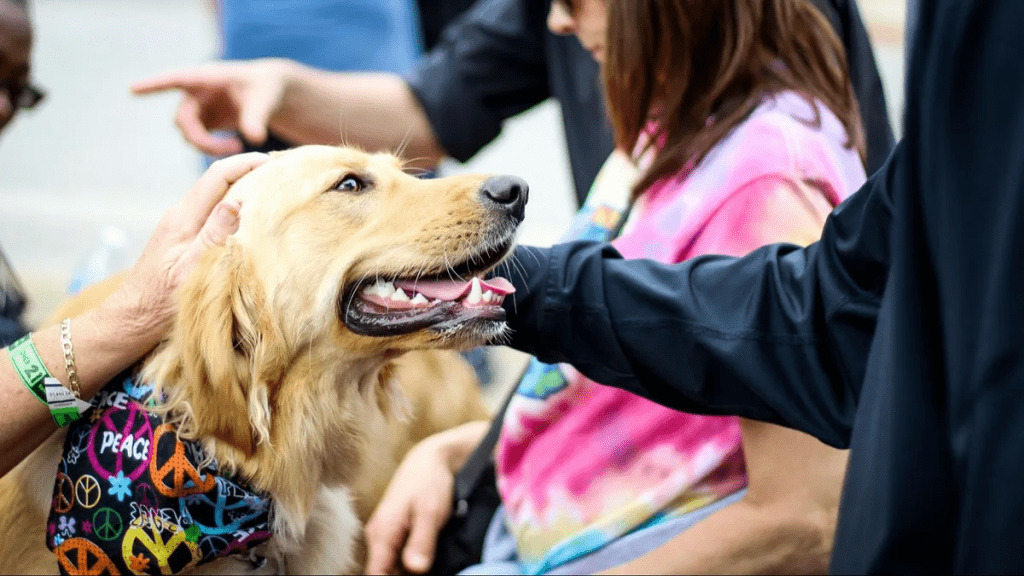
{"points": [[445, 302]]}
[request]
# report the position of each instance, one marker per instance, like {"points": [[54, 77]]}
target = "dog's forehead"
{"points": [[309, 165]]}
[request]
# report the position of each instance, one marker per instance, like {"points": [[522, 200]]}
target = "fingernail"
{"points": [[229, 210], [417, 562]]}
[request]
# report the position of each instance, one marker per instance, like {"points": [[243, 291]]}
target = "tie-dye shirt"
{"points": [[580, 464]]}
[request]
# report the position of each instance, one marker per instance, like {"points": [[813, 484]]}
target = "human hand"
{"points": [[414, 508], [143, 303], [237, 96]]}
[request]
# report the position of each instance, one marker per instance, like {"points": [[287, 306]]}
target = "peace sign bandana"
{"points": [[131, 498]]}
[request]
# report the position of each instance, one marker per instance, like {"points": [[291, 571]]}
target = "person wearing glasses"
{"points": [[130, 322], [15, 47], [16, 93]]}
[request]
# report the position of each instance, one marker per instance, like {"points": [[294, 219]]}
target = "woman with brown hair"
{"points": [[742, 127]]}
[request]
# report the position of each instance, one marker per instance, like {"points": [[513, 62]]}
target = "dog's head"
{"points": [[341, 260], [343, 238]]}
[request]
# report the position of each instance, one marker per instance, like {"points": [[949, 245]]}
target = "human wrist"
{"points": [[454, 446], [293, 79], [138, 319]]}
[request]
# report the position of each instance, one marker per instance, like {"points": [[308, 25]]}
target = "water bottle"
{"points": [[108, 257]]}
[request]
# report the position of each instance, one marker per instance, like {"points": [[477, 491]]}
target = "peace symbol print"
{"points": [[223, 510], [212, 546], [185, 480], [87, 491], [80, 556], [115, 429], [166, 543], [64, 494], [107, 524], [146, 497], [78, 441]]}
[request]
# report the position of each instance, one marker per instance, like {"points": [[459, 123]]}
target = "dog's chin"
{"points": [[450, 322]]}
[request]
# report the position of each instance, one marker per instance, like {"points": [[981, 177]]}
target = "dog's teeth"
{"points": [[475, 293], [420, 299], [437, 301], [380, 288], [489, 296], [399, 296]]}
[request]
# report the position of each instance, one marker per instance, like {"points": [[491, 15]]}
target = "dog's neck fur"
{"points": [[316, 437], [287, 412]]}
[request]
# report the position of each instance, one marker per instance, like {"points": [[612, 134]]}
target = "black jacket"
{"points": [[900, 334]]}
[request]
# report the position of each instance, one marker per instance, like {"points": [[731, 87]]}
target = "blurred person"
{"points": [[15, 60], [16, 93], [747, 131], [897, 335], [129, 323], [493, 62], [436, 15], [334, 35]]}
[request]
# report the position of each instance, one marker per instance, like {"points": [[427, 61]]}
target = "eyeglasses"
{"points": [[24, 97]]}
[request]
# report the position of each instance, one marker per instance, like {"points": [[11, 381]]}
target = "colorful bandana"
{"points": [[131, 498]]}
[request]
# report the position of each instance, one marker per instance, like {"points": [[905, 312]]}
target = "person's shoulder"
{"points": [[792, 135], [789, 122]]}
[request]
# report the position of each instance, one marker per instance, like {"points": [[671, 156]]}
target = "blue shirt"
{"points": [[351, 35]]}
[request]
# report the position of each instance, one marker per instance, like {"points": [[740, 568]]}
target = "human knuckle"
{"points": [[432, 508]]}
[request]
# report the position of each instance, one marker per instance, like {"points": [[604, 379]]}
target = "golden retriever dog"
{"points": [[306, 355]]}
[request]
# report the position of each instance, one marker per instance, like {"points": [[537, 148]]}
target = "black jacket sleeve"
{"points": [[780, 335], [490, 65]]}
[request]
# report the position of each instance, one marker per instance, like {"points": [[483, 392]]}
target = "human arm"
{"points": [[132, 320], [302, 104], [780, 335], [489, 66], [403, 530], [785, 523]]}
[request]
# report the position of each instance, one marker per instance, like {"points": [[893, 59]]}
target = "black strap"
{"points": [[468, 478]]}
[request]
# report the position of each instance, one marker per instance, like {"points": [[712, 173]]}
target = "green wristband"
{"points": [[29, 366]]}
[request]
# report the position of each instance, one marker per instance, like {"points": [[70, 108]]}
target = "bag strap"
{"points": [[468, 478]]}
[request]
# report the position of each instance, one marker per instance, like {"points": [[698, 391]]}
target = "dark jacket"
{"points": [[900, 334]]}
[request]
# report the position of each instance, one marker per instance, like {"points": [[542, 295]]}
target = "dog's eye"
{"points": [[350, 183]]}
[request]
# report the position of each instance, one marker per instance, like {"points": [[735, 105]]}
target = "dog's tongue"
{"points": [[451, 290]]}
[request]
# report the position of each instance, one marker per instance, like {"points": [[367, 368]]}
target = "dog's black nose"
{"points": [[508, 192]]}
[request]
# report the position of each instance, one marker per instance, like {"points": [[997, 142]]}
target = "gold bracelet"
{"points": [[69, 358]]}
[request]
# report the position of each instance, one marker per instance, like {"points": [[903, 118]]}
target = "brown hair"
{"points": [[681, 63]]}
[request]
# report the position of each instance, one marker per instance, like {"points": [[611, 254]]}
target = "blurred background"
{"points": [[92, 155]]}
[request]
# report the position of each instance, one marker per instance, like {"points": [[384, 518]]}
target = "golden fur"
{"points": [[263, 371]]}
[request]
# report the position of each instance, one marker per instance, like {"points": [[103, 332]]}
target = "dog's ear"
{"points": [[233, 354]]}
